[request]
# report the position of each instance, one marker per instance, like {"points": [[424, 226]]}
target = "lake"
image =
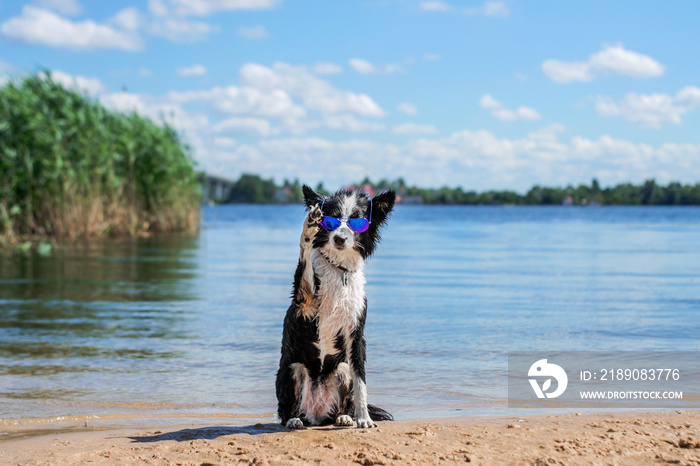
{"points": [[189, 328]]}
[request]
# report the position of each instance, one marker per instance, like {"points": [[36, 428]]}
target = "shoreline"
{"points": [[656, 437]]}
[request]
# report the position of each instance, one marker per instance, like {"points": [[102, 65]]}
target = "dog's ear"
{"points": [[382, 205], [311, 197]]}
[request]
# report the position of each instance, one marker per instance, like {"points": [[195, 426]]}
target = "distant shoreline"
{"points": [[575, 207], [252, 189]]}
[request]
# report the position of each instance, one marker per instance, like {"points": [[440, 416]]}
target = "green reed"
{"points": [[70, 168]]}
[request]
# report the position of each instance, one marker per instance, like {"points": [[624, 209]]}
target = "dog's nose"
{"points": [[339, 240]]}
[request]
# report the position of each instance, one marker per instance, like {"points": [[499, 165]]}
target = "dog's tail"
{"points": [[378, 414]]}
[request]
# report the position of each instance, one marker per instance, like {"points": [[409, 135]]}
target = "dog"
{"points": [[321, 378]]}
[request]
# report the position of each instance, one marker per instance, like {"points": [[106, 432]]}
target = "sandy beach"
{"points": [[671, 437]]}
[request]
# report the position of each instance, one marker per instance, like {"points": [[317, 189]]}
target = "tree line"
{"points": [[251, 188]]}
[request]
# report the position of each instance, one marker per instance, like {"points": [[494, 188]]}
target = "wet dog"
{"points": [[321, 378]]}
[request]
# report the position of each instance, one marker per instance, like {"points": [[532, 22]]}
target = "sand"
{"points": [[622, 438]]}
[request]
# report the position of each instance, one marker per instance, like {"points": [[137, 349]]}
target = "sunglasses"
{"points": [[358, 225]]}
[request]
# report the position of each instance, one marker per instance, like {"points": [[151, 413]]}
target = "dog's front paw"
{"points": [[294, 423], [365, 422], [344, 420]]}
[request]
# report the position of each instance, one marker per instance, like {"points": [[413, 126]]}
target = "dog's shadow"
{"points": [[209, 433]]}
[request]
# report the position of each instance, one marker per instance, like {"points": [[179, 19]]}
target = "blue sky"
{"points": [[485, 95]]}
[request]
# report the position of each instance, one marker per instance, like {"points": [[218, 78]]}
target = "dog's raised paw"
{"points": [[313, 219], [294, 423], [344, 420], [311, 226]]}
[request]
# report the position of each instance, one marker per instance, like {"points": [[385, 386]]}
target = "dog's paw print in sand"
{"points": [[311, 224]]}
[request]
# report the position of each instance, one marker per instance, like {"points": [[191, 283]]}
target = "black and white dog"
{"points": [[321, 378]]}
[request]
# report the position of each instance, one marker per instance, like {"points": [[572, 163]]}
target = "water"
{"points": [[189, 328]]}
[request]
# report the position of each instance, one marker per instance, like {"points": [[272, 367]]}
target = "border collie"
{"points": [[321, 379]]}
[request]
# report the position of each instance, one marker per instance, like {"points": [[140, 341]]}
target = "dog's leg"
{"points": [[358, 356], [344, 375], [305, 293], [290, 387], [287, 394]]}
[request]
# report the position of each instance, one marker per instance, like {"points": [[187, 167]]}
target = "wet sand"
{"points": [[671, 437]]}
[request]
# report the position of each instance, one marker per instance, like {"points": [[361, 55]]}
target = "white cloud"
{"points": [[497, 110], [145, 72], [224, 142], [253, 32], [286, 101], [408, 109], [361, 66], [490, 9], [181, 30], [208, 7], [613, 59], [164, 22], [351, 123], [42, 27], [235, 100], [196, 70], [489, 102], [365, 67], [128, 18], [566, 72], [689, 96], [413, 129], [473, 159], [327, 68], [342, 122], [158, 109], [431, 57], [435, 6], [157, 8], [92, 86], [493, 9], [652, 110], [64, 7], [521, 113], [315, 93], [245, 125], [267, 102]]}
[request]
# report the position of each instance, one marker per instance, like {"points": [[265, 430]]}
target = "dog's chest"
{"points": [[340, 308]]}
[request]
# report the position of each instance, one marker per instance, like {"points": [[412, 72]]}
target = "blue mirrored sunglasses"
{"points": [[358, 225]]}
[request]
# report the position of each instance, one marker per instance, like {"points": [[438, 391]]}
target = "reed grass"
{"points": [[70, 168]]}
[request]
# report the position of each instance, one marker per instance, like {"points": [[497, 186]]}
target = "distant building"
{"points": [[412, 200], [283, 194]]}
